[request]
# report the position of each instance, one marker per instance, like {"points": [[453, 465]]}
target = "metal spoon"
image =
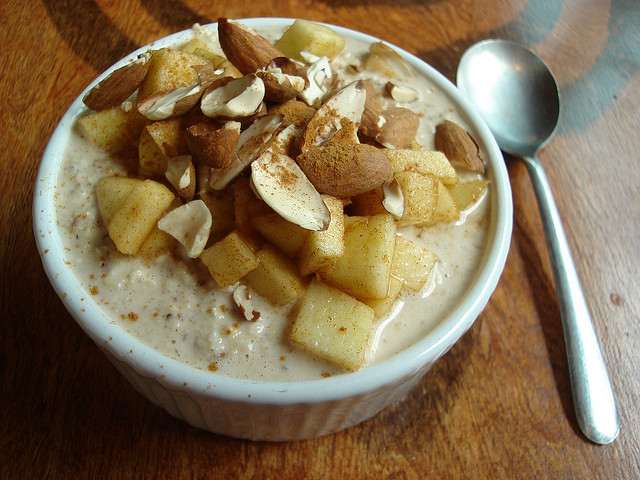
{"points": [[517, 96]]}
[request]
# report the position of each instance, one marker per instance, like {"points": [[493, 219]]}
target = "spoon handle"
{"points": [[593, 397]]}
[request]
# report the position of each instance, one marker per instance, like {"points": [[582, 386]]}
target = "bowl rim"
{"points": [[178, 376]]}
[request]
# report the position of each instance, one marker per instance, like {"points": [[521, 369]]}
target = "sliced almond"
{"points": [[399, 129], [316, 76], [190, 224], [251, 143], [181, 174], [118, 86], [345, 169], [246, 49], [242, 299], [239, 97], [171, 104], [213, 143], [287, 141], [279, 86], [402, 93], [346, 104], [459, 146], [393, 200], [280, 182]]}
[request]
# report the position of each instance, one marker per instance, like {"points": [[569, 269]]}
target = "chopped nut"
{"points": [[239, 97], [242, 298], [182, 176], [118, 86], [213, 143], [459, 146], [190, 224], [280, 182], [402, 93]]}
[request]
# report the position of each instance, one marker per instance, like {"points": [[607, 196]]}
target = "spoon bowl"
{"points": [[518, 97]]}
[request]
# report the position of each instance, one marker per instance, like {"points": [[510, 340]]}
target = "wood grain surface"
{"points": [[497, 406]]}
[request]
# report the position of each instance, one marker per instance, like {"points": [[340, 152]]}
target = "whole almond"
{"points": [[459, 146], [399, 129], [117, 87], [345, 169], [245, 49]]}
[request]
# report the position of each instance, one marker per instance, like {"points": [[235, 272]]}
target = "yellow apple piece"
{"points": [[412, 264], [285, 235], [138, 215], [333, 325], [113, 130], [323, 247], [365, 267], [312, 37], [425, 162], [276, 277], [467, 193], [382, 306], [420, 197], [229, 259]]}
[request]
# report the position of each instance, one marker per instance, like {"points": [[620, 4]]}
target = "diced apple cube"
{"points": [[382, 306], [323, 247], [365, 267], [169, 69], [138, 215], [412, 264], [280, 232], [229, 259], [425, 162], [334, 326], [111, 193], [420, 197], [368, 203], [312, 37], [156, 243], [113, 130], [467, 193], [276, 277], [446, 209]]}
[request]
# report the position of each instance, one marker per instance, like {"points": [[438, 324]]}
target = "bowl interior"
{"points": [[148, 362]]}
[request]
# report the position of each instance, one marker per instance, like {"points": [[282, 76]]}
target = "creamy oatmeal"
{"points": [[174, 305]]}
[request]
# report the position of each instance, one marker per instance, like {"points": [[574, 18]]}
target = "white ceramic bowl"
{"points": [[273, 410]]}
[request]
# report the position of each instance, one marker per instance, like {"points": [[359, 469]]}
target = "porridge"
{"points": [[182, 289]]}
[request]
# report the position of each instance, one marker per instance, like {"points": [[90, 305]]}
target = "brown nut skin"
{"points": [[294, 112], [399, 129], [244, 48], [117, 87], [212, 143], [371, 116], [276, 91], [459, 146], [346, 169]]}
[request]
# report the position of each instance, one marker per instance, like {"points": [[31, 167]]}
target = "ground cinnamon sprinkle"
{"points": [[294, 112]]}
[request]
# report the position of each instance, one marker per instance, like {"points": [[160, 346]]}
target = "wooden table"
{"points": [[498, 405]]}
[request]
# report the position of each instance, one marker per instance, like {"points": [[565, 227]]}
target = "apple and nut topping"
{"points": [[285, 180]]}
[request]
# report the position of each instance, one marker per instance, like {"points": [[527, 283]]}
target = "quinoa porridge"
{"points": [[173, 303]]}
